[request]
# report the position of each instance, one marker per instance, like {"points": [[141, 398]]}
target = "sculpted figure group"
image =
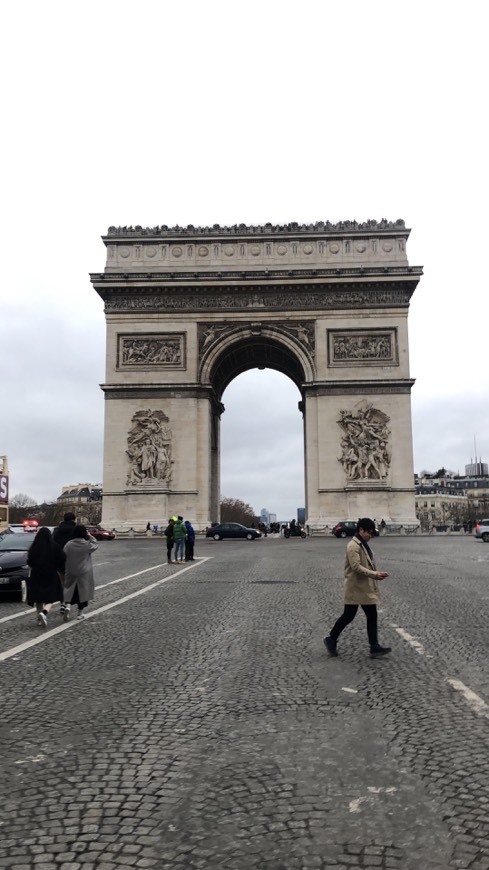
{"points": [[149, 449], [365, 454]]}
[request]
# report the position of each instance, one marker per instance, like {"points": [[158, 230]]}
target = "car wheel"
{"points": [[342, 534], [217, 537], [249, 536], [485, 538]]}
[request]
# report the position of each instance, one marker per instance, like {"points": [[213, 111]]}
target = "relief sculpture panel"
{"points": [[151, 351], [362, 347], [365, 443], [149, 449]]}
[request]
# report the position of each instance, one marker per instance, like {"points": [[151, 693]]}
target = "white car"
{"points": [[482, 530]]}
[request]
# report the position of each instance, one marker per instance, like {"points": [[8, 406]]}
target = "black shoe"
{"points": [[378, 650], [330, 645]]}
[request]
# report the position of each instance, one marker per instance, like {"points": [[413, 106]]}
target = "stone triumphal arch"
{"points": [[188, 309]]}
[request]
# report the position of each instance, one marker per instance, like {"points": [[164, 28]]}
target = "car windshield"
{"points": [[16, 542]]}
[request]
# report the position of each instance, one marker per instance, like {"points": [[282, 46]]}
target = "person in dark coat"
{"points": [[46, 560], [66, 530], [79, 585], [61, 535], [170, 540], [189, 542]]}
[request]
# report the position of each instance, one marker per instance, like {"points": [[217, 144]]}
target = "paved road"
{"points": [[194, 720]]}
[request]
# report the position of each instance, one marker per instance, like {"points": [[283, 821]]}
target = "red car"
{"points": [[100, 534]]}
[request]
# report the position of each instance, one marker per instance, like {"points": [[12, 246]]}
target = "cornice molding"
{"points": [[243, 277], [149, 391], [354, 388]]}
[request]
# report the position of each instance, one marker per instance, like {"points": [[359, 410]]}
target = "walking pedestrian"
{"points": [[46, 560], [361, 588], [189, 542], [180, 534], [170, 540], [61, 535], [148, 527], [79, 582]]}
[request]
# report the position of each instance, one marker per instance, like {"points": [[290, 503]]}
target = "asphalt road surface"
{"points": [[194, 719]]}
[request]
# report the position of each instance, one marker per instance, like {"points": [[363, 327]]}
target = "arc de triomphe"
{"points": [[189, 309]]}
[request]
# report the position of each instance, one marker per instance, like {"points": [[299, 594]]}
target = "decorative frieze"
{"points": [[305, 297], [359, 347], [151, 351], [365, 453]]}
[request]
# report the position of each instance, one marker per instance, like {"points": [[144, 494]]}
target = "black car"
{"points": [[13, 561], [347, 528], [231, 530], [344, 529]]}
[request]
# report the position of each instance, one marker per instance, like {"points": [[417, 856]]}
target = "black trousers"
{"points": [[348, 615], [189, 550], [169, 548]]}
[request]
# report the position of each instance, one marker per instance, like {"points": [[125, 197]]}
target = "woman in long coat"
{"points": [[79, 582], [46, 560], [361, 589]]}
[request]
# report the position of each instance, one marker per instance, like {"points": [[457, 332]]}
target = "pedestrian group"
{"points": [[61, 570]]}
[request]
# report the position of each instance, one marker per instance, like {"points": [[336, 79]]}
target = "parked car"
{"points": [[231, 530], [100, 534], [346, 529], [13, 561], [481, 530]]}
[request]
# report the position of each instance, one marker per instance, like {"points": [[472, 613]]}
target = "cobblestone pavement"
{"points": [[201, 724]]}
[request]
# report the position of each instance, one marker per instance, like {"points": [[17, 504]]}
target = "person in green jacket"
{"points": [[179, 534]]}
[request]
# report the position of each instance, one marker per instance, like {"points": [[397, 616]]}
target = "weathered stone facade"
{"points": [[188, 309]]}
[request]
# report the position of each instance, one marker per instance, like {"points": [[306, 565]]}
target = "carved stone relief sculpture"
{"points": [[149, 449], [151, 350], [365, 443], [363, 346], [303, 333]]}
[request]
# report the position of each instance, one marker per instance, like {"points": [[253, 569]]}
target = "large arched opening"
{"points": [[262, 450], [268, 349]]}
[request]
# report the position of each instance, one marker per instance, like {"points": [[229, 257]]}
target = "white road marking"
{"points": [[346, 689], [111, 583], [475, 702], [8, 654], [410, 640]]}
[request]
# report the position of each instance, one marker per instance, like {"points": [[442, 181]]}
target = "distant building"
{"points": [[272, 518], [477, 469], [80, 494], [440, 505], [264, 516]]}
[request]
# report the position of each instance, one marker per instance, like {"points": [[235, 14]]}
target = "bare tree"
{"points": [[235, 511], [20, 507]]}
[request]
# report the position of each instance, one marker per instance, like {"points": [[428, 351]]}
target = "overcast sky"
{"points": [[118, 113]]}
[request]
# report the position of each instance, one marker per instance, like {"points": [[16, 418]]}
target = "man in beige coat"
{"points": [[361, 588]]}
